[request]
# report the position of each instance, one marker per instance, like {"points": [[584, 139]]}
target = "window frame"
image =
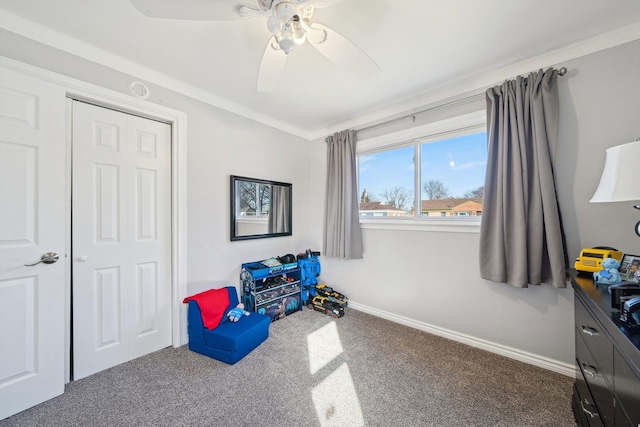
{"points": [[460, 125], [259, 215]]}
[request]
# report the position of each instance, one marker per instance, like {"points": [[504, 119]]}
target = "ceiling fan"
{"points": [[290, 22]]}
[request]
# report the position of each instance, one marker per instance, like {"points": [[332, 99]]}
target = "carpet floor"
{"points": [[359, 370]]}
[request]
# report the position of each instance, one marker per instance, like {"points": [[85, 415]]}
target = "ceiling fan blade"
{"points": [[195, 10], [271, 66], [341, 51], [249, 12], [319, 3]]}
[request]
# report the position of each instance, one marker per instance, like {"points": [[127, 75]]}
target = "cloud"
{"points": [[470, 165], [364, 163]]}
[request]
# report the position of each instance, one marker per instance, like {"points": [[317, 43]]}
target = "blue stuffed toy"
{"points": [[236, 313], [609, 275]]}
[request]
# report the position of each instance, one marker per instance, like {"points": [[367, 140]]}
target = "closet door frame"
{"points": [[94, 94]]}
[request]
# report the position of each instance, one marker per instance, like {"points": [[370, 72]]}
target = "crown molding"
{"points": [[476, 84], [480, 83], [47, 36]]}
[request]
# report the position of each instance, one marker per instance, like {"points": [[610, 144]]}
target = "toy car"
{"points": [[324, 305], [328, 292]]}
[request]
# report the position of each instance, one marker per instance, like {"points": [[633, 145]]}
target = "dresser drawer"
{"points": [[627, 389], [594, 337], [607, 355], [584, 409], [598, 386]]}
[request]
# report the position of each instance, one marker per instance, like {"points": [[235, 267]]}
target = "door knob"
{"points": [[48, 258], [83, 258]]}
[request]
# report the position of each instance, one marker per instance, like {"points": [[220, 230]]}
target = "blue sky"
{"points": [[459, 163]]}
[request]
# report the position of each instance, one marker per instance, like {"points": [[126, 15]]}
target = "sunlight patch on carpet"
{"points": [[336, 401], [324, 345]]}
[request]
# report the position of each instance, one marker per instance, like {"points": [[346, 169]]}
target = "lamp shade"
{"points": [[620, 181]]}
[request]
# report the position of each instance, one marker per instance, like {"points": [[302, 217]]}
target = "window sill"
{"points": [[449, 225]]}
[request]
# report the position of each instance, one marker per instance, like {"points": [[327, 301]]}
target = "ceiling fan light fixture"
{"points": [[300, 39], [273, 24], [299, 35], [286, 38], [285, 11], [286, 45]]}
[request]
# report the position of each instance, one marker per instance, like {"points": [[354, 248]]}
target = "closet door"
{"points": [[32, 224], [121, 237]]}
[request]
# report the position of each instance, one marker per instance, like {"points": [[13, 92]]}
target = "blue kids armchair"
{"points": [[227, 341]]}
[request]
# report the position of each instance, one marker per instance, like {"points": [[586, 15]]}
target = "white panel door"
{"points": [[121, 237], [32, 223]]}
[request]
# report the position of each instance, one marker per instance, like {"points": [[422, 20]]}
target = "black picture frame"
{"points": [[254, 225], [626, 270]]}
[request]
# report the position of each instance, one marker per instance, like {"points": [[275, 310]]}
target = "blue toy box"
{"points": [[260, 270]]}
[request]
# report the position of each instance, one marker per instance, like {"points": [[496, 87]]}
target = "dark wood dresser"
{"points": [[607, 387]]}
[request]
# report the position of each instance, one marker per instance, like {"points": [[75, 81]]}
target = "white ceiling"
{"points": [[421, 47]]}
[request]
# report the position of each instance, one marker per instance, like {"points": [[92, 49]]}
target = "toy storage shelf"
{"points": [[274, 291]]}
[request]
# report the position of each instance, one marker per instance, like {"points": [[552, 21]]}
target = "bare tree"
{"points": [[435, 190], [366, 196], [397, 197], [478, 192], [254, 197]]}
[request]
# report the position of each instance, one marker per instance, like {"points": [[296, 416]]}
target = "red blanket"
{"points": [[212, 305]]}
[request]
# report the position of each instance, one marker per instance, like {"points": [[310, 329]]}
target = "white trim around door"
{"points": [[77, 89]]}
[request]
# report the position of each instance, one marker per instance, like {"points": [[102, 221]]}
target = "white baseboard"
{"points": [[512, 353]]}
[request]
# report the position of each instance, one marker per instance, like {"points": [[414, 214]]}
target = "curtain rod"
{"points": [[561, 72]]}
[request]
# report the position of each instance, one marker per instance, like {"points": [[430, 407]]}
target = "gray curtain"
{"points": [[521, 236], [342, 235], [279, 209]]}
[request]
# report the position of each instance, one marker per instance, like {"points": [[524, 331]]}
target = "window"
{"points": [[442, 174], [386, 183], [452, 174], [254, 199]]}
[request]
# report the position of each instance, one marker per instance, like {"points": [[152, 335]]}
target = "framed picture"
{"points": [[630, 268]]}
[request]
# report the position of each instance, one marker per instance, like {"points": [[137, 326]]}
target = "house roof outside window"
{"points": [[453, 207], [379, 209]]}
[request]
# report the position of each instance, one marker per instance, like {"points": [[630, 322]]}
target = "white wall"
{"points": [[428, 278], [248, 227], [223, 144], [599, 108], [220, 144], [431, 279]]}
